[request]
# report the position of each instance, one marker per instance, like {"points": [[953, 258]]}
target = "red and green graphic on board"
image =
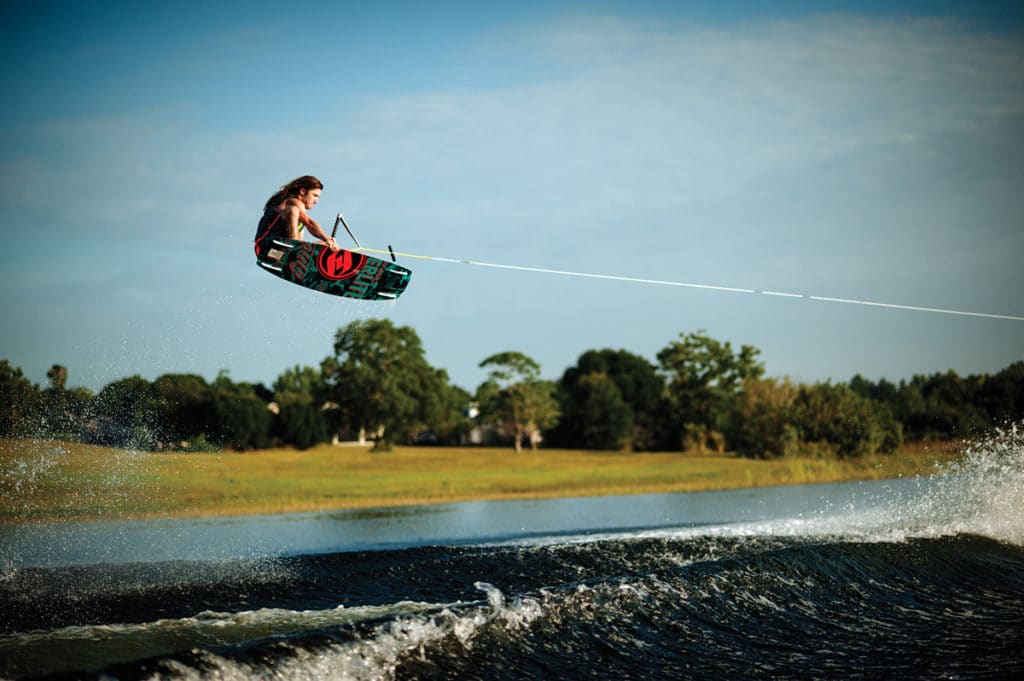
{"points": [[340, 273]]}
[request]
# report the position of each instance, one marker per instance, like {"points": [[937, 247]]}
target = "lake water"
{"points": [[920, 578], [79, 543]]}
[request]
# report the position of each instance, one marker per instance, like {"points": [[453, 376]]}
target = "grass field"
{"points": [[48, 480]]}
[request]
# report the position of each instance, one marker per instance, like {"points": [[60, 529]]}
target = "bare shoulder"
{"points": [[290, 206]]}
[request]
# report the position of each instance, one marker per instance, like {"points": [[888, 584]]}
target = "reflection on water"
{"points": [[72, 543]]}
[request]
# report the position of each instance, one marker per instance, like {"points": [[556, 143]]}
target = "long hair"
{"points": [[291, 189]]}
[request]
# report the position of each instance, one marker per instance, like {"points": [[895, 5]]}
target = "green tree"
{"points": [[126, 414], [883, 391], [515, 400], [640, 390], [381, 381], [760, 423], [298, 393], [704, 380], [182, 406], [299, 381], [302, 425], [944, 405], [452, 424], [18, 399], [58, 376], [1003, 395], [60, 412], [603, 419], [241, 418]]}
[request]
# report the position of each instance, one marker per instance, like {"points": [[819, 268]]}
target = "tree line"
{"points": [[377, 386]]}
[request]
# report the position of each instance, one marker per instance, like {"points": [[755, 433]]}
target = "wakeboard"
{"points": [[348, 274]]}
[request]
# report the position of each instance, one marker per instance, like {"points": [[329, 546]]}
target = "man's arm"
{"points": [[314, 228], [295, 214]]}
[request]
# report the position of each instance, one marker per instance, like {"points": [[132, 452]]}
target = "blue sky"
{"points": [[867, 150]]}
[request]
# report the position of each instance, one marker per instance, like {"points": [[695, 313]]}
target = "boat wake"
{"points": [[920, 579]]}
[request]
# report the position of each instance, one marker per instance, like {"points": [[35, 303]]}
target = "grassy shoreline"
{"points": [[44, 480]]}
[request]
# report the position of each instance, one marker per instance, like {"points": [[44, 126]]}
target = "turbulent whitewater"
{"points": [[908, 579]]}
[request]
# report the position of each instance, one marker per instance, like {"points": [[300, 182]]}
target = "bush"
{"points": [[302, 425], [853, 424], [760, 426], [241, 419]]}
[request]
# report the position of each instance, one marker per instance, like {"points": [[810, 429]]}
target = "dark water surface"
{"points": [[897, 579]]}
